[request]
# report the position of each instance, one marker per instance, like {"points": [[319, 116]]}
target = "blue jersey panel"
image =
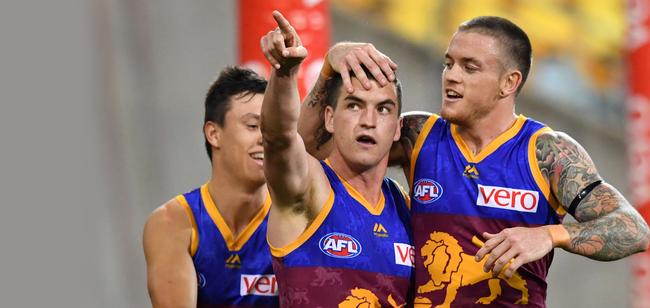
{"points": [[231, 274], [356, 251]]}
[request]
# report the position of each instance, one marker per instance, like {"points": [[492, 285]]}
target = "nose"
{"points": [[260, 139], [451, 73], [368, 118]]}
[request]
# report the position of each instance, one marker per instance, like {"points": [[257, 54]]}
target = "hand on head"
{"points": [[282, 47], [346, 56]]}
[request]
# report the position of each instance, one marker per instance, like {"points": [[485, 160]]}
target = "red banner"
{"points": [[311, 20], [638, 103]]}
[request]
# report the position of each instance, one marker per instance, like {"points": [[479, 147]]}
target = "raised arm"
{"points": [[171, 277], [608, 227], [341, 58], [286, 163]]}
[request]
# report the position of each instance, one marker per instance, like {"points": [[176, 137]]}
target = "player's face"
{"points": [[471, 77], [365, 123], [240, 141]]}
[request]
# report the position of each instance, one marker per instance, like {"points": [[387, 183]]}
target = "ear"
{"points": [[328, 117], [398, 129], [212, 132], [510, 83]]}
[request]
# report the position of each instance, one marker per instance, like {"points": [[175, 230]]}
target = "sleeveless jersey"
{"points": [[231, 272], [456, 196], [352, 254]]}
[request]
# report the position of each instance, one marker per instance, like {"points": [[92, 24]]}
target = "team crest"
{"points": [[471, 172], [426, 191], [451, 269], [340, 245]]}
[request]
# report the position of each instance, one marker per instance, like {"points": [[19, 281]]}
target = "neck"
{"points": [[480, 132], [367, 181], [238, 204]]}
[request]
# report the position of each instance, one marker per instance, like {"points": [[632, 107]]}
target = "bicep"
{"points": [[566, 165], [171, 277], [288, 169]]}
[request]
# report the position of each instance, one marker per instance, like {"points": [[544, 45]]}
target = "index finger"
{"points": [[282, 22], [487, 246]]}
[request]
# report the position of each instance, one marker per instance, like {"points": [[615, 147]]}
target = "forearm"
{"points": [[310, 124], [281, 107], [608, 228]]}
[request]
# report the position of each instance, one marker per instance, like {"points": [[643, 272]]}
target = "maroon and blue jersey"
{"points": [[353, 254], [457, 195], [231, 272]]}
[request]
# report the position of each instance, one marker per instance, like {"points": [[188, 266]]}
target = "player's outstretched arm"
{"points": [[342, 58], [608, 227], [286, 162], [171, 277]]}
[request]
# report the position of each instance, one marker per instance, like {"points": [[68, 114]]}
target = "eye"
{"points": [[447, 65], [384, 109], [353, 106], [471, 68], [252, 126]]}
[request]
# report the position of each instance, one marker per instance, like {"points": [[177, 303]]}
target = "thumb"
{"points": [[295, 52], [488, 235]]}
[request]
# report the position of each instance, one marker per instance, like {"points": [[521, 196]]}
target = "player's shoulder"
{"points": [[555, 138], [170, 215]]}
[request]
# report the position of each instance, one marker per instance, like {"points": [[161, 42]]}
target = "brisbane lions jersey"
{"points": [[231, 272], [457, 195], [353, 254]]}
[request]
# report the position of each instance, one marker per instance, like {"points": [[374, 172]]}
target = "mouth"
{"points": [[258, 157], [366, 140], [452, 95]]}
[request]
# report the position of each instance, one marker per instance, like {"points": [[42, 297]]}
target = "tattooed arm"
{"points": [[608, 227], [343, 58], [310, 123], [400, 152]]}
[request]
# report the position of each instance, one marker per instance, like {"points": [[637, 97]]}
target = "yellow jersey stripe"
{"points": [[194, 238]]}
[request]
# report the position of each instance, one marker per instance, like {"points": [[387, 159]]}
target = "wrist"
{"points": [[284, 72], [327, 71], [559, 235]]}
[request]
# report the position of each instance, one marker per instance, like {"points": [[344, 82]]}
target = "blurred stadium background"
{"points": [[102, 107]]}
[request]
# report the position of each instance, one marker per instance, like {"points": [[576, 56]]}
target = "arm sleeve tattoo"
{"points": [[608, 227]]}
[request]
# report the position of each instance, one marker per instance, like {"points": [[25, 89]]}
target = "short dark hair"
{"points": [[514, 39], [333, 88], [231, 81]]}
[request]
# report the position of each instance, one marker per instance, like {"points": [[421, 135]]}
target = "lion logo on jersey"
{"points": [[450, 267], [363, 298], [325, 276]]}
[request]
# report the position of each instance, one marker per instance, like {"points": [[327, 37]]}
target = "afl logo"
{"points": [[427, 191], [340, 245]]}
